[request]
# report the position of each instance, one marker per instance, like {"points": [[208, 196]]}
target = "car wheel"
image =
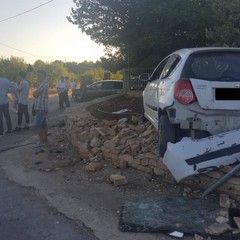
{"points": [[166, 133]]}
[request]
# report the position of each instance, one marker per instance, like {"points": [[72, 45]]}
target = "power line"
{"points": [[5, 45], [3, 20], [39, 57]]}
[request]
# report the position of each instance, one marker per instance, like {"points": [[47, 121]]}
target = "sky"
{"points": [[39, 29]]}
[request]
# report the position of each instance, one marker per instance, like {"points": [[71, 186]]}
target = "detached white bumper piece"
{"points": [[194, 156]]}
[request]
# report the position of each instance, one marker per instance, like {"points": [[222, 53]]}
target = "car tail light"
{"points": [[183, 92]]}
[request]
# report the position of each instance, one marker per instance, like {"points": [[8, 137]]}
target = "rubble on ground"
{"points": [[129, 142]]}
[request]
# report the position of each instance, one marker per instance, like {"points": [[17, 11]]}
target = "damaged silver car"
{"points": [[193, 93]]}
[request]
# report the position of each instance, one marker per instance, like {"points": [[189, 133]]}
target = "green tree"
{"points": [[92, 75], [79, 68], [226, 31], [11, 67], [141, 32], [54, 71]]}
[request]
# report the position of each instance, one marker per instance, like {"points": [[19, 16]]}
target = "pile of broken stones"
{"points": [[130, 143]]}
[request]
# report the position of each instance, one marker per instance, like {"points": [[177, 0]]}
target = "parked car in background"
{"points": [[98, 89], [193, 93]]}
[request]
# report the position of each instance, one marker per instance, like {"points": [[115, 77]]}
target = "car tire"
{"points": [[166, 133]]}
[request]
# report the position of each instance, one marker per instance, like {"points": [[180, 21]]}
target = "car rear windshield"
{"points": [[213, 66]]}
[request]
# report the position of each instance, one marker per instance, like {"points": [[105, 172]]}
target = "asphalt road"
{"points": [[24, 215]]}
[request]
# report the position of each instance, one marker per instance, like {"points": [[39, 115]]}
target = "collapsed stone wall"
{"points": [[130, 143]]}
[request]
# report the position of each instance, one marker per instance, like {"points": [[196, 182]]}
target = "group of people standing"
{"points": [[19, 89], [20, 94], [63, 87]]}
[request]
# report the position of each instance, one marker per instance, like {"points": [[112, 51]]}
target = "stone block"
{"points": [[127, 158], [109, 144], [217, 229], [224, 201], [144, 169], [122, 164], [234, 181], [93, 167], [153, 162], [122, 126], [237, 221], [135, 120], [159, 171], [134, 145], [198, 237], [123, 134], [215, 174], [84, 137], [83, 149], [144, 162], [140, 129], [135, 163], [94, 133], [100, 131], [109, 123], [221, 219], [118, 180], [109, 156], [108, 131], [95, 142], [146, 133]]}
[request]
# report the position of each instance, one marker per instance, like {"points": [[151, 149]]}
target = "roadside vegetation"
{"points": [[137, 34], [75, 71]]}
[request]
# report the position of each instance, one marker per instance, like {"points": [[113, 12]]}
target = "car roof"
{"points": [[188, 51], [108, 81]]}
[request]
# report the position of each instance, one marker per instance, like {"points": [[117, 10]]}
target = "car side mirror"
{"points": [[144, 77]]}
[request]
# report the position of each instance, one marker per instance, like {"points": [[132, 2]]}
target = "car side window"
{"points": [[158, 70], [170, 65], [96, 86], [107, 85]]}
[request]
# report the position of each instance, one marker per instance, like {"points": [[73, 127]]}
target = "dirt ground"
{"points": [[89, 198], [100, 196]]}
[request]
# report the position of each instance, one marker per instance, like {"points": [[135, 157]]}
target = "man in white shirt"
{"points": [[23, 90], [62, 88]]}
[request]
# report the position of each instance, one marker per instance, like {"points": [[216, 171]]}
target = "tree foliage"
{"points": [[77, 71], [10, 67], [141, 32], [226, 31]]}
